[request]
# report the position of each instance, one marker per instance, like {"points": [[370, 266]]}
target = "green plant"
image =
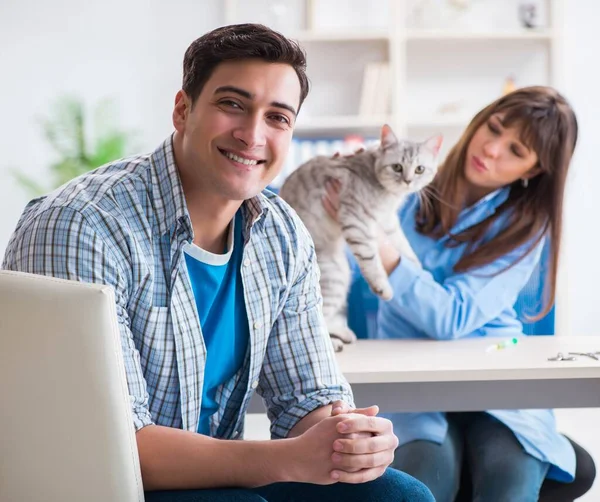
{"points": [[67, 130]]}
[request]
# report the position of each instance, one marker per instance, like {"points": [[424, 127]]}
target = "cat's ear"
{"points": [[434, 144], [388, 138]]}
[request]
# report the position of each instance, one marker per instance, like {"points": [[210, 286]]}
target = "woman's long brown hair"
{"points": [[548, 125]]}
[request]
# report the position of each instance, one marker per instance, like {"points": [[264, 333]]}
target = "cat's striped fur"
{"points": [[374, 185]]}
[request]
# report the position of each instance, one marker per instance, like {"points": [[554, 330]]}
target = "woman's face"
{"points": [[496, 157]]}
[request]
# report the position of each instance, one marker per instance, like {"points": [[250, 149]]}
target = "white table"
{"points": [[424, 375]]}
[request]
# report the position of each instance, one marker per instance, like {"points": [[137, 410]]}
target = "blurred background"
{"points": [[83, 83]]}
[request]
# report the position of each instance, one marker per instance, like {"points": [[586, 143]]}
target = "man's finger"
{"points": [[360, 423], [362, 476], [351, 463], [371, 411], [339, 407], [358, 445]]}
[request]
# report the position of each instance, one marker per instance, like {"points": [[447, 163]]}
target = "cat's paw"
{"points": [[338, 345], [342, 337], [384, 291], [345, 334]]}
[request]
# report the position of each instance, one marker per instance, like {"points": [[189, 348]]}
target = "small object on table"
{"points": [[561, 357], [504, 344], [591, 355]]}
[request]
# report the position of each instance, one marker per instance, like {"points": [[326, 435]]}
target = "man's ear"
{"points": [[181, 110]]}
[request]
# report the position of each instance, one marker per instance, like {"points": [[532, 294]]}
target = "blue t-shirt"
{"points": [[219, 294]]}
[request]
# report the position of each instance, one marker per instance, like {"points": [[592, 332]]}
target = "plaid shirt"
{"points": [[124, 225]]}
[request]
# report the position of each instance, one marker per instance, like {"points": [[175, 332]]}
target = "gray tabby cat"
{"points": [[374, 183]]}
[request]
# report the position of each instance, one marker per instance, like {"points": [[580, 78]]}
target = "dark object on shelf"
{"points": [[529, 14]]}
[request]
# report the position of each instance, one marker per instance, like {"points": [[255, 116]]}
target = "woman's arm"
{"points": [[463, 302]]}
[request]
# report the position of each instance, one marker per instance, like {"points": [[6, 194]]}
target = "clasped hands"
{"points": [[350, 446]]}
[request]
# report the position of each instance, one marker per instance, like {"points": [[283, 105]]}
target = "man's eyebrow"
{"points": [[236, 90], [287, 107], [250, 96]]}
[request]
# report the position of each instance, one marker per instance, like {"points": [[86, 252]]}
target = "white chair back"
{"points": [[66, 431]]}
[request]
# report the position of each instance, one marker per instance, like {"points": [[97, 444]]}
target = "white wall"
{"points": [[580, 264], [581, 79], [131, 50]]}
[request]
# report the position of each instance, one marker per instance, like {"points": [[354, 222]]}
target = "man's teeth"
{"points": [[241, 160]]}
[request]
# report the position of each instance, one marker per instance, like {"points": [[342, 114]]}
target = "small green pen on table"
{"points": [[504, 344]]}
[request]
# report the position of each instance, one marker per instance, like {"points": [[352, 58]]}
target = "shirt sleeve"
{"points": [[60, 243], [300, 372], [463, 302]]}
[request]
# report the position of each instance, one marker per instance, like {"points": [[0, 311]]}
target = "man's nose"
{"points": [[251, 132]]}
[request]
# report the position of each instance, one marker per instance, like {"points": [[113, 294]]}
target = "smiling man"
{"points": [[217, 293]]}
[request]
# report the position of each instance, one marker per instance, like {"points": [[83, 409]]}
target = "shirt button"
{"points": [[236, 434], [246, 263], [257, 324], [255, 384]]}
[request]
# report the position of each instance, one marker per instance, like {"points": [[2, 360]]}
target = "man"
{"points": [[217, 293]]}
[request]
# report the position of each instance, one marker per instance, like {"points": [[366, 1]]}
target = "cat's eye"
{"points": [[419, 169], [397, 168]]}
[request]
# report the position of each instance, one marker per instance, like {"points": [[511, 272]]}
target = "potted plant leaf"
{"points": [[80, 145]]}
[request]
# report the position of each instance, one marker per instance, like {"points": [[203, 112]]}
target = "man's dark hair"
{"points": [[237, 42]]}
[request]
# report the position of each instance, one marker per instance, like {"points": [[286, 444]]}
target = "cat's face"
{"points": [[406, 166]]}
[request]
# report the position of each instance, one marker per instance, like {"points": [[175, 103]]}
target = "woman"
{"points": [[478, 231]]}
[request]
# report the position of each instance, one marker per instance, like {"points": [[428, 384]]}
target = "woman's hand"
{"points": [[359, 150], [331, 199], [388, 254]]}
